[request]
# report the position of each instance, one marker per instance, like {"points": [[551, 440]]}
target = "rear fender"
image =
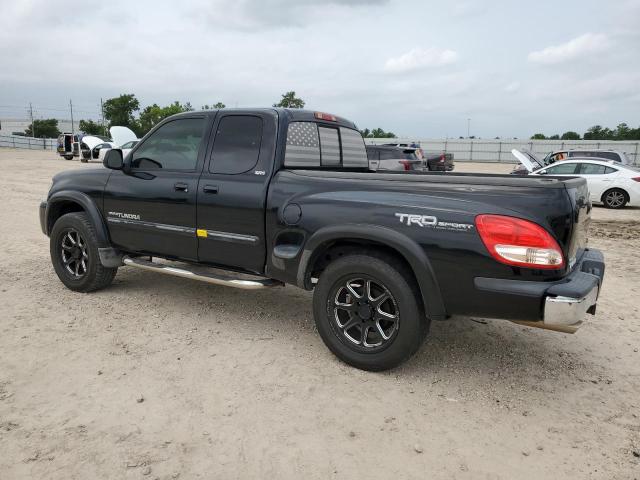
{"points": [[401, 244]]}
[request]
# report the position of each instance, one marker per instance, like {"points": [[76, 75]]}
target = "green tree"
{"points": [[154, 114], [570, 135], [289, 100], [538, 136], [215, 106], [91, 128], [377, 133], [119, 111], [43, 128], [622, 132], [554, 137]]}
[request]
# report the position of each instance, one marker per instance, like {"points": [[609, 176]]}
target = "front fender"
{"points": [[406, 247], [57, 199]]}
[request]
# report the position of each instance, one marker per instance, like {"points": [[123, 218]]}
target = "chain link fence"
{"points": [[463, 150], [469, 150], [17, 141]]}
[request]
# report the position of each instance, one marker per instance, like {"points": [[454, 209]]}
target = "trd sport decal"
{"points": [[430, 221]]}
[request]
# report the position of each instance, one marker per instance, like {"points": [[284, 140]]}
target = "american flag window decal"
{"points": [[306, 139], [303, 145]]}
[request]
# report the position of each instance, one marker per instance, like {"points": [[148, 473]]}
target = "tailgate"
{"points": [[579, 196]]}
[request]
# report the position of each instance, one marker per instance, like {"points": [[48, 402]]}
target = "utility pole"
{"points": [[33, 126], [468, 128], [104, 131], [71, 108]]}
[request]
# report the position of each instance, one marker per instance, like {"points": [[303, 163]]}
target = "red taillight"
{"points": [[636, 179], [442, 158], [519, 242], [406, 164], [325, 116]]}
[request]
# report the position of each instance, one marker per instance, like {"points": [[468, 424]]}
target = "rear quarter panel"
{"points": [[453, 247]]}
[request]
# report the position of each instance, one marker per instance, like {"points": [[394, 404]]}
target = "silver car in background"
{"points": [[387, 157]]}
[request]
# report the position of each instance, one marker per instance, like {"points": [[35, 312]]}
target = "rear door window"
{"points": [[592, 169], [563, 168], [236, 147]]}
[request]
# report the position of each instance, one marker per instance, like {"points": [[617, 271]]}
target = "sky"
{"points": [[415, 67]]}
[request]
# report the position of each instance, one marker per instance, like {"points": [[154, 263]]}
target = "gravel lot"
{"points": [[158, 377]]}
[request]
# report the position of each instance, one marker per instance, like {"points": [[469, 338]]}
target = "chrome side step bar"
{"points": [[253, 284]]}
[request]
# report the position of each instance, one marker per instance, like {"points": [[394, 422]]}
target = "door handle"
{"points": [[210, 189], [181, 187]]}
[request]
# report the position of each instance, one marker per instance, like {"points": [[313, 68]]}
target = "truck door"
{"points": [[151, 207], [233, 188]]}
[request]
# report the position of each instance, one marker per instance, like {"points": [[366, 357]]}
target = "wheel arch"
{"points": [[626, 194], [336, 238], [63, 202]]}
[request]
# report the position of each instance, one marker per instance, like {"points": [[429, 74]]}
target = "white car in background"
{"points": [[610, 183], [127, 147], [95, 148]]}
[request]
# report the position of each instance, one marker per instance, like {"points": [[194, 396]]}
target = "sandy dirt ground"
{"points": [[158, 377]]}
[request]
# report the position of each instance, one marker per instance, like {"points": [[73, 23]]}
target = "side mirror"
{"points": [[113, 159]]}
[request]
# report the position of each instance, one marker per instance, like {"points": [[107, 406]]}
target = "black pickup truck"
{"points": [[278, 196]]}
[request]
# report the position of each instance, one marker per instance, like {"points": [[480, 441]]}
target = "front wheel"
{"points": [[614, 198], [74, 254], [368, 313], [68, 157]]}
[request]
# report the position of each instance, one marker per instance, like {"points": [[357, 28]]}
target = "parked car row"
{"points": [[94, 147], [610, 182], [407, 157]]}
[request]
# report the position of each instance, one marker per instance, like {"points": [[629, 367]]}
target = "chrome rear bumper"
{"points": [[566, 313]]}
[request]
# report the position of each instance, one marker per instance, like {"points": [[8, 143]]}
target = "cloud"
{"points": [[420, 58], [255, 15], [584, 45], [468, 9], [512, 87]]}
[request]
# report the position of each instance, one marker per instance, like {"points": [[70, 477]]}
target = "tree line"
{"points": [[597, 132], [124, 110]]}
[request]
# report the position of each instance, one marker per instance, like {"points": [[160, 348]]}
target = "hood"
{"points": [[92, 141], [121, 135], [527, 159]]}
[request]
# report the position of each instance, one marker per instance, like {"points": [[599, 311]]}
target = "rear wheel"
{"points": [[68, 157], [367, 311], [614, 198], [74, 254]]}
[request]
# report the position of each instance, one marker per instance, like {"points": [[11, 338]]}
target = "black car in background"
{"points": [[434, 161]]}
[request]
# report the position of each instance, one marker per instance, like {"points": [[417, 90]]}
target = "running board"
{"points": [[256, 284]]}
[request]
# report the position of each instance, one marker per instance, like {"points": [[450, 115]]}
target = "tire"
{"points": [[68, 157], [615, 198], [74, 254], [374, 352], [84, 160]]}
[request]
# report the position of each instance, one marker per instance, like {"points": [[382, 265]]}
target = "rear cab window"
{"points": [[315, 145]]}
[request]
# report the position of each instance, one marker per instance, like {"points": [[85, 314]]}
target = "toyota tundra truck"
{"points": [[260, 198]]}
